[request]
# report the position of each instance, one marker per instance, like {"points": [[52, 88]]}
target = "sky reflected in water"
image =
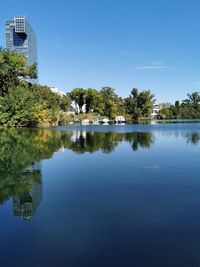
{"points": [[100, 196]]}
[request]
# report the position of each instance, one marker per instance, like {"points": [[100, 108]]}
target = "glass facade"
{"points": [[21, 38]]}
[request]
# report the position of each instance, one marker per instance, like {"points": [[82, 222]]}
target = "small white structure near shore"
{"points": [[105, 120], [96, 122], [120, 119]]}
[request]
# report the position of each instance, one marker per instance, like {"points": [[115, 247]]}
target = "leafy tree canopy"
{"points": [[13, 68], [139, 104]]}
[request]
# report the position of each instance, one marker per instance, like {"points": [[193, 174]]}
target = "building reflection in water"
{"points": [[23, 184], [26, 204]]}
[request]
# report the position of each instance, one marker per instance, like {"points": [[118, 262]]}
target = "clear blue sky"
{"points": [[123, 43]]}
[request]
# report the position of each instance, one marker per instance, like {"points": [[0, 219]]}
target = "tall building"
{"points": [[21, 38], [26, 203]]}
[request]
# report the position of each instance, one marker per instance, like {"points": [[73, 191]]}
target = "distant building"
{"points": [[75, 109], [21, 38], [156, 110], [57, 91]]}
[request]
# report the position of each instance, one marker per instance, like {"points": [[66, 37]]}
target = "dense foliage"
{"points": [[23, 103], [107, 103], [186, 109], [13, 67], [31, 105], [139, 105]]}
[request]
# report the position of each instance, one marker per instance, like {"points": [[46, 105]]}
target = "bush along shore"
{"points": [[24, 104]]}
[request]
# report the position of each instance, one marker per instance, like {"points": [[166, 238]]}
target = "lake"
{"points": [[100, 196]]}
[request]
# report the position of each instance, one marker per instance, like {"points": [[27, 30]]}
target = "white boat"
{"points": [[105, 120], [120, 119]]}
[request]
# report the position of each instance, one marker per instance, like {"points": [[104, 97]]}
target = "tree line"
{"points": [[106, 102], [188, 108], [26, 104], [23, 104]]}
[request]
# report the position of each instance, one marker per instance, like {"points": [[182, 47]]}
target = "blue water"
{"points": [[100, 196]]}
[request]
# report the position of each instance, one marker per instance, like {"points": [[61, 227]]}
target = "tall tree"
{"points": [[187, 109], [139, 104], [78, 95], [93, 100], [13, 68], [194, 98], [112, 103]]}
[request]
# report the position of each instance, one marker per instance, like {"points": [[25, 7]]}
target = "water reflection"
{"points": [[193, 138], [106, 142], [22, 150], [26, 203]]}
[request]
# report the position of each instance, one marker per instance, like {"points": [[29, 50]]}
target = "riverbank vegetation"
{"points": [[107, 103], [186, 109], [25, 104]]}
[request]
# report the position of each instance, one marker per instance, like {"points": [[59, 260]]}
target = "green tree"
{"points": [[16, 109], [139, 104], [53, 100], [93, 100], [112, 104], [194, 99], [187, 109], [32, 105], [13, 68], [78, 95]]}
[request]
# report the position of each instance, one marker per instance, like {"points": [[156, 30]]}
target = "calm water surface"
{"points": [[100, 196]]}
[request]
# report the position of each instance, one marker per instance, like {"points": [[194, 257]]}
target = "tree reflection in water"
{"points": [[193, 138], [22, 150], [107, 141]]}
